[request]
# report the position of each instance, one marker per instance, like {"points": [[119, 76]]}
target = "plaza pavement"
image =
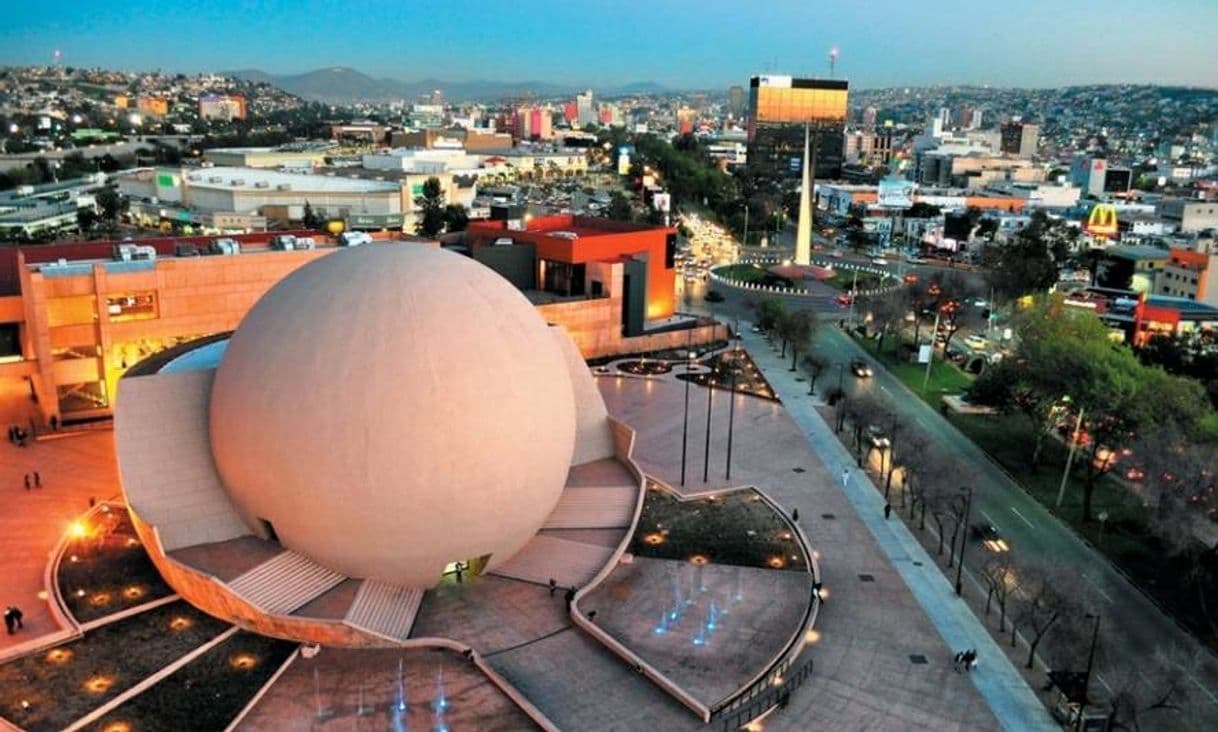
{"points": [[873, 633], [73, 468], [1012, 701]]}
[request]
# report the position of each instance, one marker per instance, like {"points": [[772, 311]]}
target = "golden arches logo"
{"points": [[1102, 221]]}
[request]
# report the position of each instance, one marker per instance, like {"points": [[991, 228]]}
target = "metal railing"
{"points": [[762, 699]]}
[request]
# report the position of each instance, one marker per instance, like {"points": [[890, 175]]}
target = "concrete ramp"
{"points": [[570, 563]]}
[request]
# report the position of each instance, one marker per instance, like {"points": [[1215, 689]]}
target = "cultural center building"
{"points": [[74, 317]]}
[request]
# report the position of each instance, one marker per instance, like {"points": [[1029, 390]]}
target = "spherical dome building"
{"points": [[390, 410]]}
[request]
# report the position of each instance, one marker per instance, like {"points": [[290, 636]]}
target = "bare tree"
{"points": [[998, 574], [1161, 699], [813, 365], [1049, 596]]}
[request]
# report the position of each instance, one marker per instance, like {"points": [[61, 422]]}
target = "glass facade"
{"points": [[779, 108]]}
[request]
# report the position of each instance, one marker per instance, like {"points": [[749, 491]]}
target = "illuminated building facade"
{"points": [[779, 109]]}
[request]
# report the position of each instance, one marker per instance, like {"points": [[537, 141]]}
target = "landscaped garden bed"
{"points": [[738, 528], [666, 354], [642, 367], [51, 689], [748, 378], [753, 274], [104, 568], [207, 693]]}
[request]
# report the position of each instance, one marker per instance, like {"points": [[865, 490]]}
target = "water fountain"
{"points": [[401, 703], [441, 704], [322, 712]]}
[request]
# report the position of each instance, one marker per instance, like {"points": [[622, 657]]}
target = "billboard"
{"points": [[1102, 221], [895, 193], [785, 99]]}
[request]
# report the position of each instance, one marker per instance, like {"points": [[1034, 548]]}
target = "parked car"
{"points": [[860, 369], [880, 262], [713, 296]]}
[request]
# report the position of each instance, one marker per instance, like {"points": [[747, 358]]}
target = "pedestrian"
{"points": [[11, 438], [795, 515], [37, 479], [553, 586], [887, 510], [27, 481], [570, 596], [8, 619], [957, 660], [845, 477], [54, 422], [17, 616], [458, 568]]}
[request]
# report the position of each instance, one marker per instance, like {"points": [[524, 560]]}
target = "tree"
{"points": [[813, 365], [1029, 264], [431, 203], [86, 219], [799, 327], [309, 218], [112, 205], [1049, 592], [456, 218], [998, 575], [887, 315], [619, 207]]}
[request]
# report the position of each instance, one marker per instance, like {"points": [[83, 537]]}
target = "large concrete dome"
{"points": [[391, 409]]}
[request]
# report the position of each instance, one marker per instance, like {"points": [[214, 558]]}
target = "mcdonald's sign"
{"points": [[1102, 222]]}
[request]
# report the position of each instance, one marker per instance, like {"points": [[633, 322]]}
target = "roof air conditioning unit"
{"points": [[262, 184], [284, 187]]}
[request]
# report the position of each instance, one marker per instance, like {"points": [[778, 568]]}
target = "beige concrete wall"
{"points": [[165, 462]]}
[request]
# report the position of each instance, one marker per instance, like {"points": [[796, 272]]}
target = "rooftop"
{"points": [[1138, 253], [262, 179]]}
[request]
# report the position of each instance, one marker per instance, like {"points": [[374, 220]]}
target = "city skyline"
{"points": [[601, 44]]}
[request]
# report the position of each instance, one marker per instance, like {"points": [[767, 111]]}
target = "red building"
{"points": [[554, 255]]}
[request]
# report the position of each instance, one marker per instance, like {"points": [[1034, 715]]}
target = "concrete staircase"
{"points": [[285, 582], [597, 507], [385, 609], [570, 563]]}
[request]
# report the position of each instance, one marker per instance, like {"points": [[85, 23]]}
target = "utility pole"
{"points": [[1078, 425], [854, 288], [931, 361], [1095, 636], [968, 508]]}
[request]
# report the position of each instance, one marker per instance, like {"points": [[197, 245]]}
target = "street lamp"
{"points": [[731, 412], [710, 394], [1095, 636], [689, 365], [968, 508], [1078, 426]]}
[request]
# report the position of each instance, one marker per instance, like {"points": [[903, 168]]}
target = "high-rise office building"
{"points": [[779, 108], [735, 100], [1020, 138], [585, 108], [869, 116]]}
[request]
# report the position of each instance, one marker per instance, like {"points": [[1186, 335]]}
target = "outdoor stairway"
{"points": [[285, 582], [598, 507], [570, 563], [385, 609]]}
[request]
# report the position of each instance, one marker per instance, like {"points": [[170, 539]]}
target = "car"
{"points": [[837, 254], [911, 279], [880, 262], [977, 342], [914, 259], [713, 296], [860, 369], [844, 299]]}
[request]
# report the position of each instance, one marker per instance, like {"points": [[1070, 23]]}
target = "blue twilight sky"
{"points": [[679, 43]]}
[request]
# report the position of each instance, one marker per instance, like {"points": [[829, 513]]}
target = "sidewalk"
{"points": [[1012, 701]]}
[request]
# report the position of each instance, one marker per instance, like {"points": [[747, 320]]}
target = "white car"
{"points": [[976, 342], [880, 262]]}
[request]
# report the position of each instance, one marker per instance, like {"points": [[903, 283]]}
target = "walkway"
{"points": [[1000, 683]]}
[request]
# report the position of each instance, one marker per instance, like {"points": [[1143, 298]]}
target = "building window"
{"points": [[131, 306]]}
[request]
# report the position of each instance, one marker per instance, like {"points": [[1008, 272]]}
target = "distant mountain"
{"points": [[341, 84]]}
